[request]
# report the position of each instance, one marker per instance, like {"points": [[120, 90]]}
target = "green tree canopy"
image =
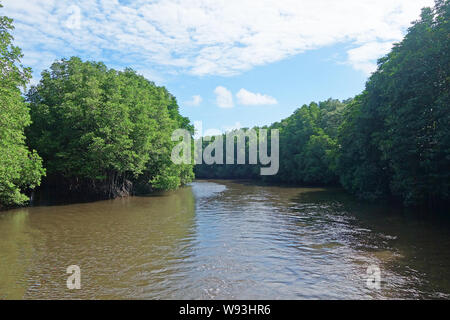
{"points": [[105, 130], [308, 148]]}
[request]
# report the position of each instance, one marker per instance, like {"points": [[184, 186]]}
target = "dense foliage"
{"points": [[20, 169], [308, 143], [396, 136], [393, 140], [308, 147], [105, 132]]}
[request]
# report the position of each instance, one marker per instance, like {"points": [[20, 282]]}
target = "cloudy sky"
{"points": [[230, 63]]}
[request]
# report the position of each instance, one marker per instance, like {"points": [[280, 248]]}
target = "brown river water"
{"points": [[224, 240]]}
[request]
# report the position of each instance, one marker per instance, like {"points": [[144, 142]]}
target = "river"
{"points": [[224, 240]]}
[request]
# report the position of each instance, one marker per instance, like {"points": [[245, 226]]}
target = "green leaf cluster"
{"points": [[111, 129], [20, 169], [396, 136], [391, 141]]}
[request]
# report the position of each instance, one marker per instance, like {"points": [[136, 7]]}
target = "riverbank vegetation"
{"points": [[20, 168], [391, 141], [98, 132], [103, 132], [89, 130]]}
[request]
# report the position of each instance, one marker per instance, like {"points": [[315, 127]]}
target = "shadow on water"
{"points": [[410, 245]]}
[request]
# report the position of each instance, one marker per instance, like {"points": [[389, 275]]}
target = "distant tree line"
{"points": [[391, 141]]}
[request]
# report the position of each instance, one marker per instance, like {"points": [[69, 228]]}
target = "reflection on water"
{"points": [[223, 240]]}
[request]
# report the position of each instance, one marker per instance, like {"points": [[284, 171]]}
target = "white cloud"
{"points": [[364, 57], [224, 98], [207, 37], [196, 100], [246, 97]]}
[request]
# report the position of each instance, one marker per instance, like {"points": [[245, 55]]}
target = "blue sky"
{"points": [[230, 63], [312, 76]]}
